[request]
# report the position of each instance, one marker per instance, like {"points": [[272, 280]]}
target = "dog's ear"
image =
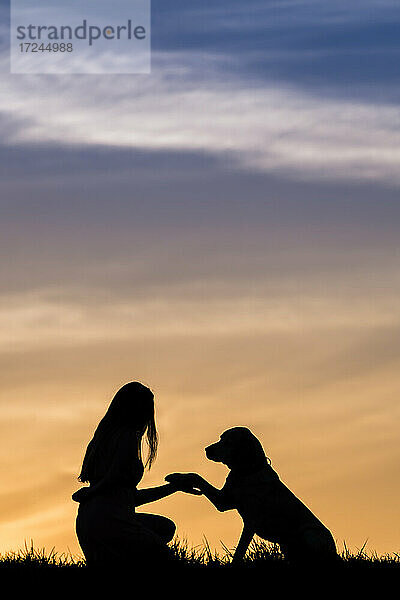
{"points": [[249, 451]]}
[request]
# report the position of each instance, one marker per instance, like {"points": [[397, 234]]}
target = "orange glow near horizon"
{"points": [[325, 417]]}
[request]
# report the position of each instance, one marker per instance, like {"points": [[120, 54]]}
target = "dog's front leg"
{"points": [[241, 548]]}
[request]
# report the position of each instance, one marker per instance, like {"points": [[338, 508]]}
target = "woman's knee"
{"points": [[165, 528], [170, 529], [162, 526]]}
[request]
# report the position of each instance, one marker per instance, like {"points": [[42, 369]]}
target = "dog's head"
{"points": [[238, 448]]}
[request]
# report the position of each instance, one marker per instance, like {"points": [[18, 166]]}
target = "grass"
{"points": [[261, 556], [30, 557]]}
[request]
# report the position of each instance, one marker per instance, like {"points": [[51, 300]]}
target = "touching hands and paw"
{"points": [[186, 482]]}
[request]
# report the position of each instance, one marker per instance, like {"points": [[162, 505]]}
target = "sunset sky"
{"points": [[225, 230]]}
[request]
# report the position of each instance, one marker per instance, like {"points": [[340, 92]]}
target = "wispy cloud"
{"points": [[40, 321], [264, 128]]}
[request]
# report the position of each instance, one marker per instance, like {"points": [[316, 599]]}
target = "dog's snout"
{"points": [[209, 450], [212, 451]]}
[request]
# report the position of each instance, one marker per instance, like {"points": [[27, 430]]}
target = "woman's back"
{"points": [[116, 458]]}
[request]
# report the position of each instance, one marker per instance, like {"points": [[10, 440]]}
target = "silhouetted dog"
{"points": [[268, 508]]}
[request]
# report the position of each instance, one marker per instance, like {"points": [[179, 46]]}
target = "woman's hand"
{"points": [[186, 482], [81, 495]]}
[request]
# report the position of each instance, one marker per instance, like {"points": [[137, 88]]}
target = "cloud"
{"points": [[264, 128], [232, 98], [68, 318]]}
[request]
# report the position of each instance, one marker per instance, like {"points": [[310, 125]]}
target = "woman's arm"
{"points": [[152, 494], [86, 492], [215, 496]]}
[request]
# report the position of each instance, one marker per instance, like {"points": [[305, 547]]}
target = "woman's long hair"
{"points": [[131, 411]]}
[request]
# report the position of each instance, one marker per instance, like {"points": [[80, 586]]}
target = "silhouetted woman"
{"points": [[108, 529]]}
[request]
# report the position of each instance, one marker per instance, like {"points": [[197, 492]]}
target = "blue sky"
{"points": [[297, 64], [341, 48]]}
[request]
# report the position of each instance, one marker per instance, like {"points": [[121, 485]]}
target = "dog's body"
{"points": [[271, 511], [268, 508]]}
